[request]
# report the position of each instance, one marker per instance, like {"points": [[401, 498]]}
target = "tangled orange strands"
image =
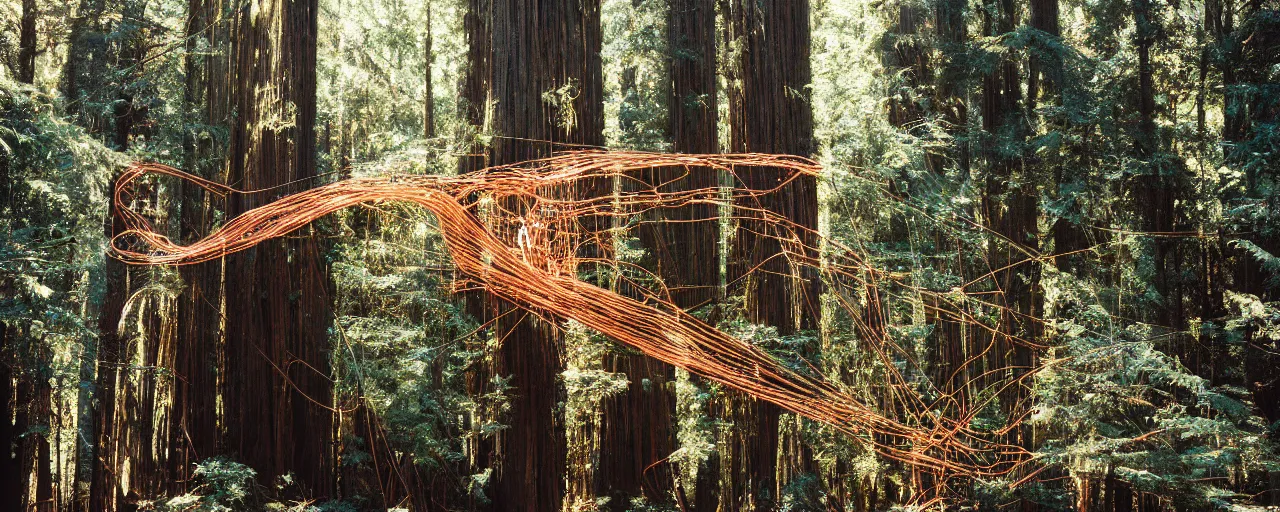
{"points": [[534, 268]]}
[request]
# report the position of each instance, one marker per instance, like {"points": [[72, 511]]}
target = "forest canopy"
{"points": [[710, 255]]}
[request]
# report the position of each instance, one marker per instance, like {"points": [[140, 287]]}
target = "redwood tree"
{"points": [[129, 454], [277, 379], [769, 112], [1010, 208], [10, 488], [544, 76], [26, 69], [638, 433], [194, 420], [428, 99]]}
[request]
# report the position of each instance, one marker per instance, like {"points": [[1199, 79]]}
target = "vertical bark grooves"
{"points": [[277, 389], [26, 71], [1011, 211], [638, 434], [546, 84], [472, 103], [475, 79], [953, 109], [688, 253], [769, 111], [193, 426], [103, 494], [428, 96], [132, 443]]}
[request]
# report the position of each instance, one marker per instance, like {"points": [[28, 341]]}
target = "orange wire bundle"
{"points": [[535, 271]]}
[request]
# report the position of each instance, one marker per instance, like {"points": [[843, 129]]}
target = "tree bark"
{"points": [[193, 421], [902, 52], [1155, 189], [638, 430], [127, 456], [545, 80], [11, 484], [428, 96], [35, 396], [277, 390], [26, 72], [476, 81], [472, 104], [769, 112], [104, 492], [127, 114], [1044, 72], [1011, 211], [692, 117], [84, 77], [953, 109]]}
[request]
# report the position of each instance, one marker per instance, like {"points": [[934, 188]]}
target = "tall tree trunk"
{"points": [[193, 426], [951, 104], [544, 76], [133, 448], [950, 25], [1154, 189], [638, 431], [1011, 210], [123, 460], [26, 71], [475, 81], [689, 262], [277, 391], [84, 449], [126, 113], [1044, 67], [104, 493], [1234, 108], [428, 96], [1044, 83], [35, 414], [1252, 50], [84, 77], [769, 112], [904, 53], [472, 105], [11, 484]]}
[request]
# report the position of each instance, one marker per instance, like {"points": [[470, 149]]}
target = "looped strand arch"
{"points": [[536, 272]]}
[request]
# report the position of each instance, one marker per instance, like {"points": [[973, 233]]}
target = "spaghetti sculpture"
{"points": [[529, 260]]}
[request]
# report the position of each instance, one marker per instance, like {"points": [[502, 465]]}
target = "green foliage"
{"points": [[586, 385], [225, 486], [696, 429], [1110, 403], [635, 59], [1270, 263], [371, 77], [802, 494], [53, 180], [1167, 409], [403, 345]]}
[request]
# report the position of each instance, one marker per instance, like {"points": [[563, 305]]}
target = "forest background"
{"points": [[1093, 182]]}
